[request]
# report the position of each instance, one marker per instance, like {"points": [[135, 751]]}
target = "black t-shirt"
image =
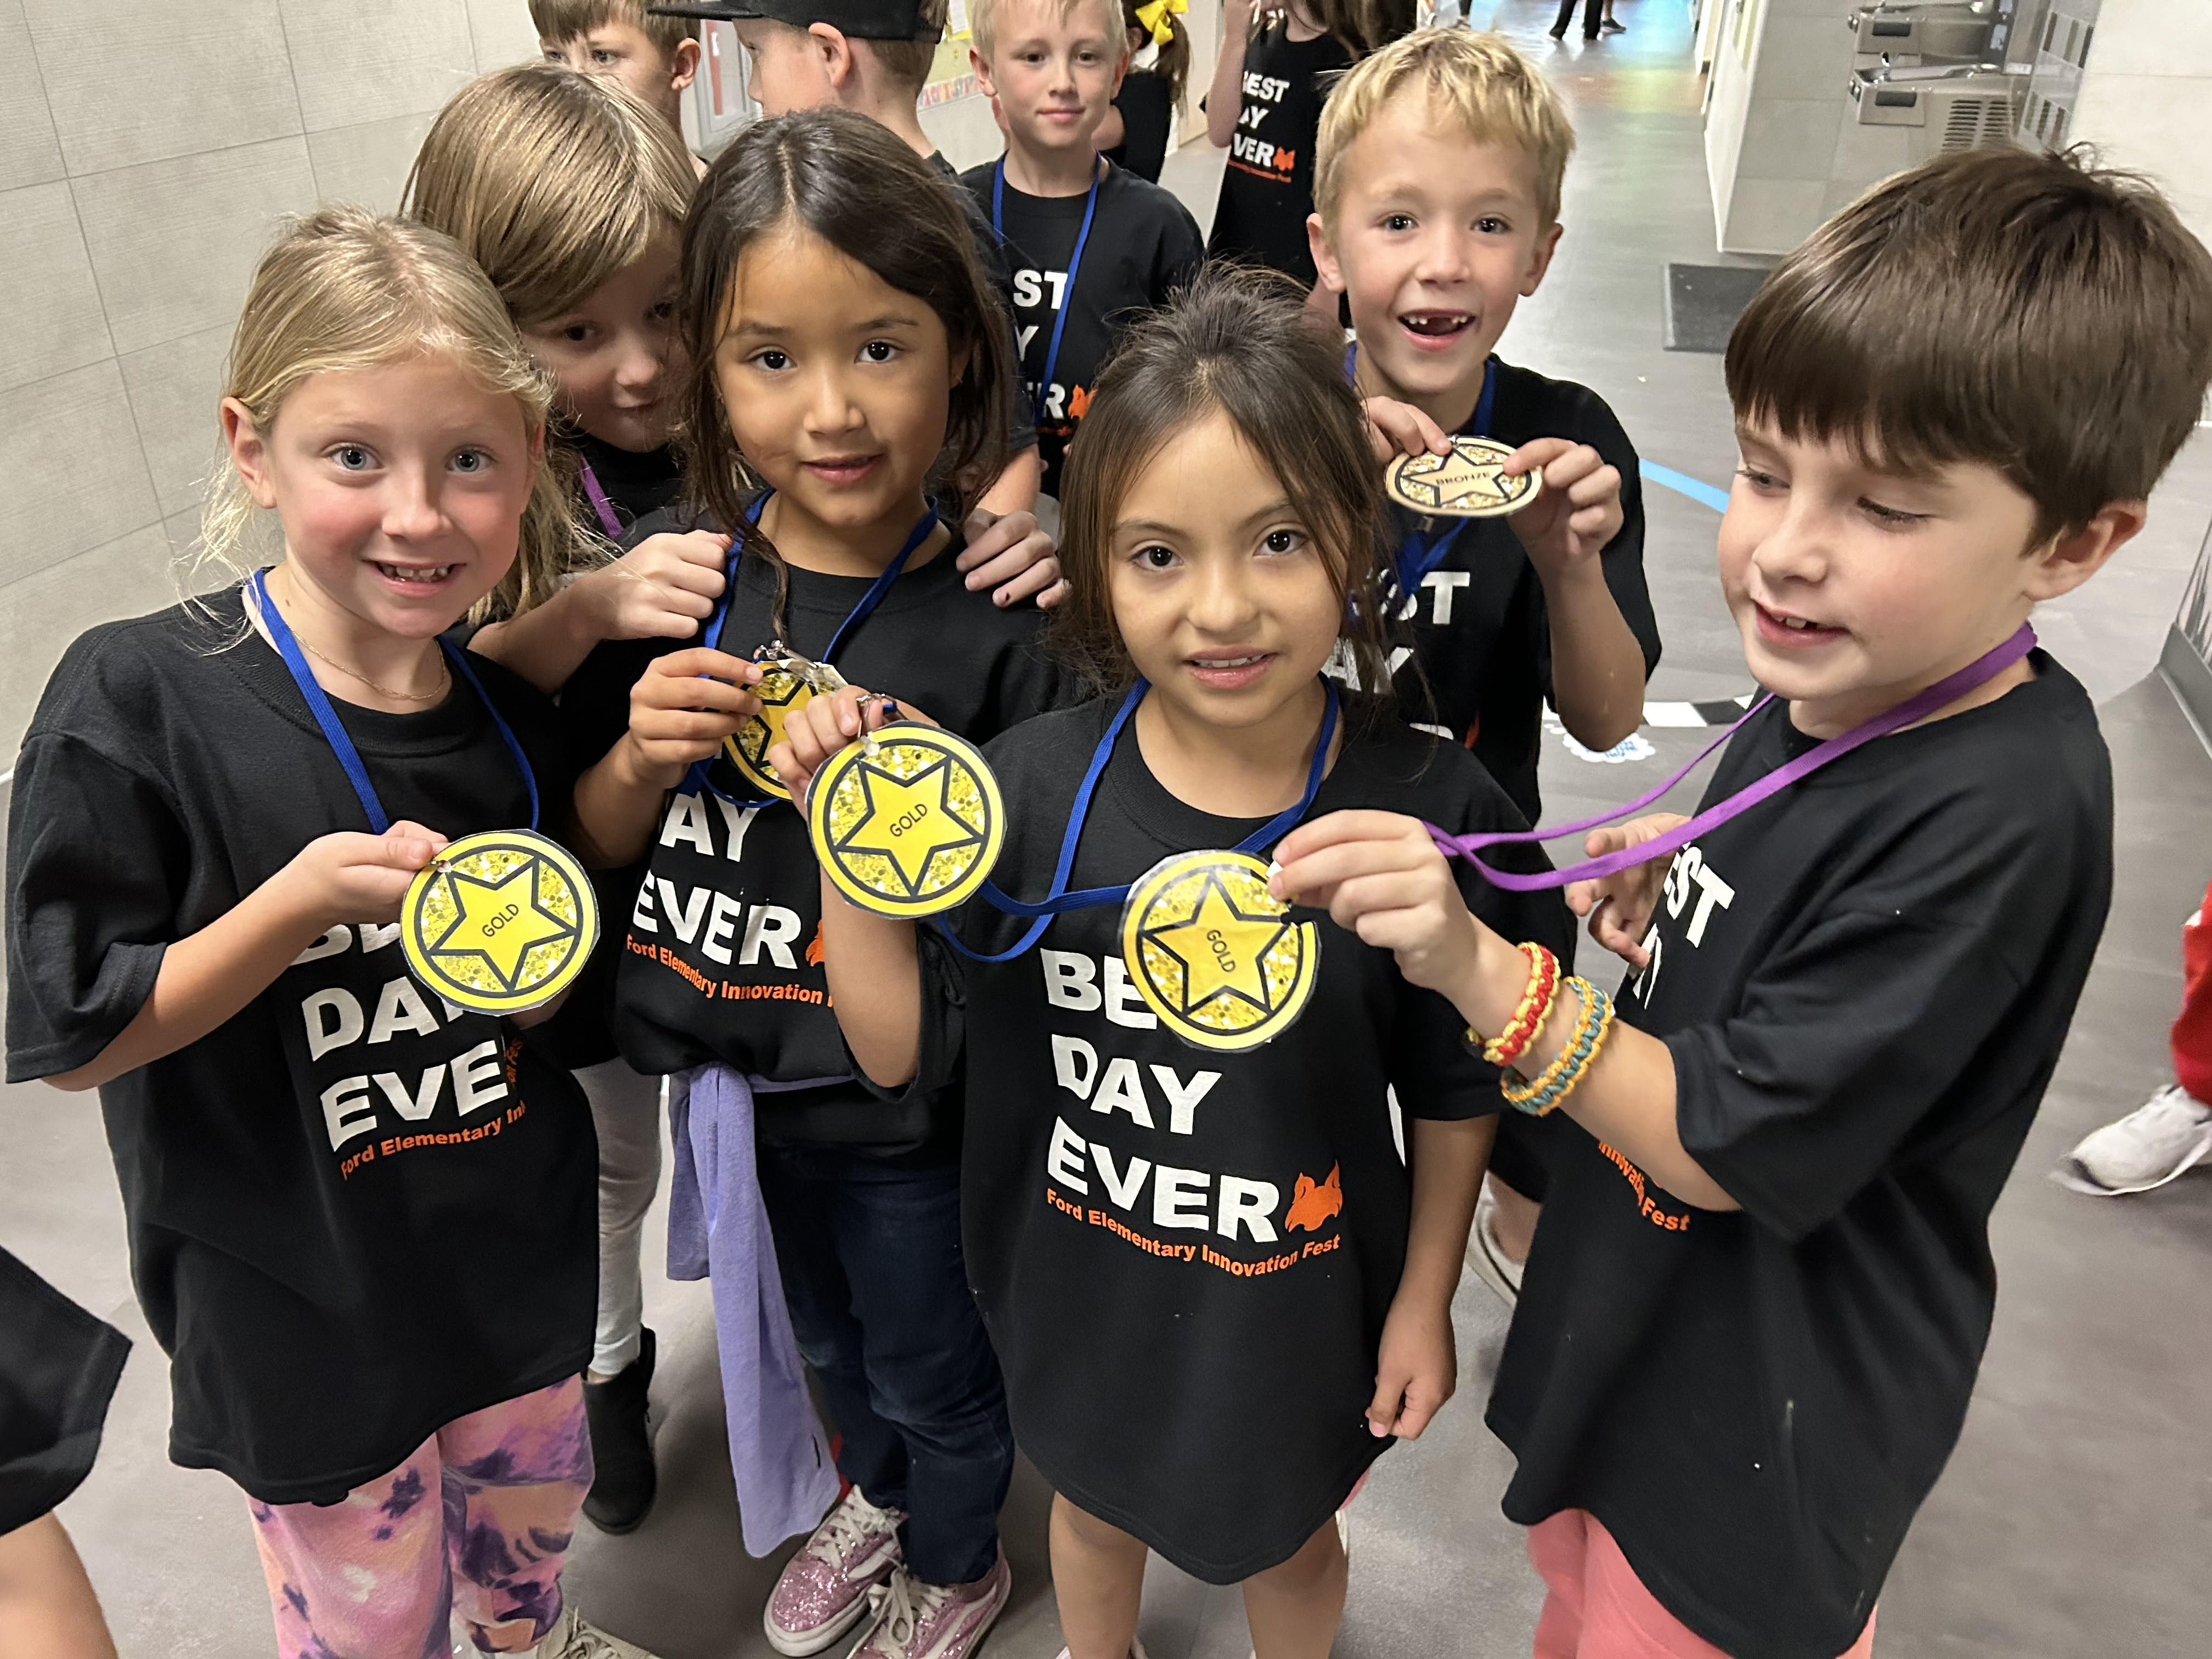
{"points": [[723, 956], [58, 1368], [636, 482], [1266, 191], [1479, 629], [356, 1213], [1147, 104], [1865, 983], [1184, 1257], [1021, 421], [1144, 245]]}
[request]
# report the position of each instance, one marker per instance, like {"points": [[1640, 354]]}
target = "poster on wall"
{"points": [[720, 104], [950, 77]]}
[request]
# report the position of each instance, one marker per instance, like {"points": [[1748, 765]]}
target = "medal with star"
{"points": [[1213, 954], [500, 922], [1470, 482], [909, 822]]}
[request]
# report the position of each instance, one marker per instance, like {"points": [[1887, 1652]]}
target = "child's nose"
{"points": [[410, 507]]}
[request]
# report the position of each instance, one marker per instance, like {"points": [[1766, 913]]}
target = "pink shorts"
{"points": [[1597, 1608]]}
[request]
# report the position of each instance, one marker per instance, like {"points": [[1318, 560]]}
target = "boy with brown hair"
{"points": [[655, 55], [1763, 1284]]}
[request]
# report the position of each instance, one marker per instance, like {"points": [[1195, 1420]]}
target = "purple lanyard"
{"points": [[1918, 707], [608, 519]]}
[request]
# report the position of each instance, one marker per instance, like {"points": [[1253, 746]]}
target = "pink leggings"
{"points": [[1598, 1608], [476, 1521]]}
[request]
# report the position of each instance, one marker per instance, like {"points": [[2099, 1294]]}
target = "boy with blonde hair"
{"points": [[1053, 67], [656, 57], [1436, 188]]}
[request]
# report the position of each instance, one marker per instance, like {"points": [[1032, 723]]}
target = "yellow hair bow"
{"points": [[1159, 16]]}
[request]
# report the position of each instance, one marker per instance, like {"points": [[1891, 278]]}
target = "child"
{"points": [[1437, 184], [1215, 1287], [1091, 246], [848, 355], [651, 54], [1264, 108], [201, 929], [874, 57], [1140, 131], [1762, 1284]]}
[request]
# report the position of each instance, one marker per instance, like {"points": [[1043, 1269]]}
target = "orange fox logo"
{"points": [[814, 948], [1078, 403], [1312, 1203], [1285, 161]]}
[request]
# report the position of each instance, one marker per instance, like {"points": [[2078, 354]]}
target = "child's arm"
{"points": [[1224, 97], [681, 708], [1417, 1367], [1380, 876], [870, 960], [1015, 489], [46, 1603], [1597, 667], [209, 977], [662, 588]]}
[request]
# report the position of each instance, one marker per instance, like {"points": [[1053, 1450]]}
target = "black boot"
{"points": [[623, 1480]]}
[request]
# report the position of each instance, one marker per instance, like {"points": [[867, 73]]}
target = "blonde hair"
{"points": [[346, 289], [1481, 82], [983, 22], [552, 181], [560, 20]]}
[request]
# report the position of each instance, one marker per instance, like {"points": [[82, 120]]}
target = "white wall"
{"points": [[2146, 98], [147, 152]]}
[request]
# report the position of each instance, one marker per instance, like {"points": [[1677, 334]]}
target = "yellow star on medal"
{"points": [[909, 820], [499, 920], [1221, 949]]}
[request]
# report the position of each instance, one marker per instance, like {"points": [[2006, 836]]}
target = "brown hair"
{"points": [[1242, 342], [1480, 82], [553, 181], [850, 181], [346, 289], [2029, 311], [560, 20], [1363, 25], [907, 63]]}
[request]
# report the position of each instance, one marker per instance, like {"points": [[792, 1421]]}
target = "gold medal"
{"points": [[1213, 954], [1467, 483], [500, 922], [788, 684], [909, 822]]}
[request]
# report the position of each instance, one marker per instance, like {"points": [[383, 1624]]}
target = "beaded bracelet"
{"points": [[1529, 1014], [1559, 1080]]}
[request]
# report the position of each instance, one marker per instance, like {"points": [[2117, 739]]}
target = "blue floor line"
{"points": [[1683, 484]]}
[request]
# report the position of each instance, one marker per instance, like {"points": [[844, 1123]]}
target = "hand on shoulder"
{"points": [[662, 588], [1011, 553]]}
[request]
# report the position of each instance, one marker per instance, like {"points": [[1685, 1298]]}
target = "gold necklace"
{"points": [[445, 677]]}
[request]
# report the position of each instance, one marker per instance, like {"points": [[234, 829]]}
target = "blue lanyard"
{"points": [[1067, 288], [695, 779], [318, 705], [1423, 554], [1059, 899]]}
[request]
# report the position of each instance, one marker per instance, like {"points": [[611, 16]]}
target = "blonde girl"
{"points": [[360, 1219]]}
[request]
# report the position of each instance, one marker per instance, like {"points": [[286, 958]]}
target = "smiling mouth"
{"points": [[415, 575], [1782, 624], [1435, 324], [841, 467]]}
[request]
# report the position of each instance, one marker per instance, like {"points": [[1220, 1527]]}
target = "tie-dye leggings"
{"points": [[476, 1523]]}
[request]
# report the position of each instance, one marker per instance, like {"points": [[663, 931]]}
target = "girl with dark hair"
{"points": [[1141, 132], [1216, 1286], [845, 404]]}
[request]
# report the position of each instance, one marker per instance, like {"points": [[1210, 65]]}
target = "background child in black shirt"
{"points": [[848, 355], [1216, 1288], [322, 1166], [1139, 130], [1091, 246], [1762, 1284]]}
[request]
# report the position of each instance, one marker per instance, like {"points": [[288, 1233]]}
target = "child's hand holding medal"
{"points": [[684, 705]]}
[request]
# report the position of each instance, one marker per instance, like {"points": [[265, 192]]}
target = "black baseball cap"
{"points": [[860, 20]]}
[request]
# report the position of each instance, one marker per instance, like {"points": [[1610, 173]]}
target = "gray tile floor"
{"points": [[2073, 1520]]}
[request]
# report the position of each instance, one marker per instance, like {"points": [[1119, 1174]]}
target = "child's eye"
{"points": [[773, 361], [352, 458], [878, 351], [1894, 518], [577, 333], [1491, 225], [1397, 222], [1153, 557], [1757, 479], [663, 311], [601, 56], [1285, 540], [470, 460]]}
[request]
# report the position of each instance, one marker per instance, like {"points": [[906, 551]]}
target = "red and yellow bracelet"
{"points": [[1530, 1013]]}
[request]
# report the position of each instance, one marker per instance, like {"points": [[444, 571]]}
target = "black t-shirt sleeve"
{"points": [[1589, 420], [58, 1368], [1181, 251], [96, 860]]}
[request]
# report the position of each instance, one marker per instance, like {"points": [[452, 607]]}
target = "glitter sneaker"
{"points": [[823, 1591], [2168, 1134], [937, 1621]]}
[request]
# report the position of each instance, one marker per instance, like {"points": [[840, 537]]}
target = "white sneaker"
{"points": [[1487, 1257], [574, 1637], [2169, 1133], [1136, 1650]]}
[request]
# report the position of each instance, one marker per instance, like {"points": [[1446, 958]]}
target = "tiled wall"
{"points": [[2146, 98], [147, 149]]}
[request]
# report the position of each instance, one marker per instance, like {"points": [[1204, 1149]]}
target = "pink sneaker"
{"points": [[937, 1621], [823, 1591]]}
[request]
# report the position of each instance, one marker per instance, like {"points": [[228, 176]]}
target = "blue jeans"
{"points": [[869, 1252]]}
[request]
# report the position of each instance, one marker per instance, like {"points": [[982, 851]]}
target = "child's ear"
{"points": [[978, 63], [1324, 256], [1540, 260], [961, 354], [835, 52], [249, 451], [683, 65], [2069, 560]]}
